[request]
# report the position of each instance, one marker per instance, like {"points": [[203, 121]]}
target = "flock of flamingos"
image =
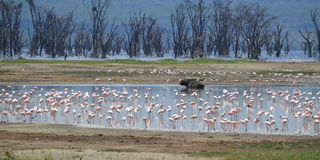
{"points": [[266, 111]]}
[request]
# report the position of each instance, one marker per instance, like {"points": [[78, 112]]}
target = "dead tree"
{"points": [[308, 42], [148, 25], [36, 38], [243, 47], [236, 27], [315, 14], [133, 31], [108, 44], [254, 27], [179, 30], [66, 28], [279, 39], [211, 45], [269, 45], [58, 30], [287, 46], [10, 30], [168, 42], [118, 41], [70, 42], [198, 19], [82, 41], [157, 41], [98, 10], [16, 33], [304, 47], [221, 27]]}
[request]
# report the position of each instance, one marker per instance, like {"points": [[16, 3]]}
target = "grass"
{"points": [[9, 156], [261, 154], [117, 150], [12, 156], [4, 71], [263, 146], [276, 155], [277, 146], [128, 61], [48, 157], [207, 154], [267, 151]]}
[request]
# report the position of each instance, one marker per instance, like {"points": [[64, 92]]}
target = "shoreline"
{"points": [[168, 131], [62, 141], [147, 85], [69, 140], [220, 73]]}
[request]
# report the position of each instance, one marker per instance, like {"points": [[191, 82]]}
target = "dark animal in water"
{"points": [[192, 83]]}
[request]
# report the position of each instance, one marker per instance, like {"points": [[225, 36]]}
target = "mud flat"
{"points": [[163, 72], [57, 141]]}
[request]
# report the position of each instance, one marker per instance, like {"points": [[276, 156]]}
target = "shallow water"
{"points": [[299, 103]]}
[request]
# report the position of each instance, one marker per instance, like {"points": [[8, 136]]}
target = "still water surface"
{"points": [[218, 108]]}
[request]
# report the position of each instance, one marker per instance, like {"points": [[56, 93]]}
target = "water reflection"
{"points": [[241, 108]]}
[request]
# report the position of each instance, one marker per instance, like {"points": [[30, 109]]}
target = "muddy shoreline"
{"points": [[17, 137], [73, 142], [113, 73]]}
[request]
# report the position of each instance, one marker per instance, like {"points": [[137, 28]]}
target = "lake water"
{"points": [[218, 108]]}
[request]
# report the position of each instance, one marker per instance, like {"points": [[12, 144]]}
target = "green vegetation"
{"points": [[9, 156], [265, 146], [117, 150], [127, 61], [4, 71], [48, 157], [275, 155], [261, 154], [12, 156], [267, 151], [207, 154], [195, 61]]}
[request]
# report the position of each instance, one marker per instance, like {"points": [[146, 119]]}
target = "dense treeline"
{"points": [[198, 29]]}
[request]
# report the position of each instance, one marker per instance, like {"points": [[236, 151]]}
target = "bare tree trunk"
{"points": [[179, 30], [157, 41], [198, 18], [221, 27], [287, 45], [148, 24], [107, 46], [38, 22], [117, 44], [315, 14], [10, 29], [98, 10], [134, 29], [279, 39], [307, 41], [254, 28]]}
